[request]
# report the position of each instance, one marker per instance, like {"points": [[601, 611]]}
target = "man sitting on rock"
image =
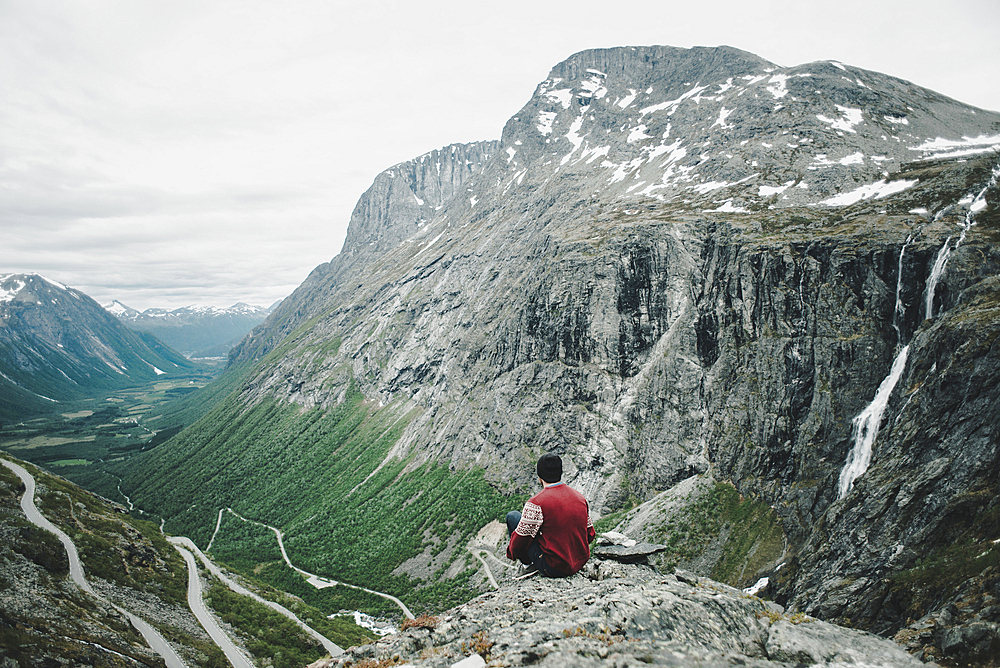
{"points": [[554, 531]]}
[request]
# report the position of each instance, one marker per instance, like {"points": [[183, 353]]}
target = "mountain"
{"points": [[58, 345], [687, 271], [53, 614], [196, 331]]}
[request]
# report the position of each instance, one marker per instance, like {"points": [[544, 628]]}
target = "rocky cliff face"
{"points": [[688, 261]]}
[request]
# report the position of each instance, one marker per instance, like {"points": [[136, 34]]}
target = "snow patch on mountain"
{"points": [[876, 190], [938, 148]]}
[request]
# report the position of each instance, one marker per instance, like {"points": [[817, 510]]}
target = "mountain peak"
{"points": [[12, 285], [721, 129]]}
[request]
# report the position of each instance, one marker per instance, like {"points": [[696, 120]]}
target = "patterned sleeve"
{"points": [[531, 520], [591, 533]]}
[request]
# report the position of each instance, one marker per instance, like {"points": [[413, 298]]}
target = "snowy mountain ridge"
{"points": [[197, 331]]}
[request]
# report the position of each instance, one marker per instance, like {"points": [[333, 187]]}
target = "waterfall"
{"points": [[977, 204], [900, 311], [936, 271], [866, 425]]}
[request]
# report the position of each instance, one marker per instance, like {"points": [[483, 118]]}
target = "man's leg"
{"points": [[538, 561], [513, 519]]}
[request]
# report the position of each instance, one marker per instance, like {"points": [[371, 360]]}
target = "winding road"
{"points": [[185, 544], [153, 638], [313, 579], [188, 550], [205, 618]]}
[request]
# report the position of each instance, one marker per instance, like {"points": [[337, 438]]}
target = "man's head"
{"points": [[550, 468]]}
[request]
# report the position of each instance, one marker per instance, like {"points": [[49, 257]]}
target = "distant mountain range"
{"points": [[196, 331], [57, 345]]}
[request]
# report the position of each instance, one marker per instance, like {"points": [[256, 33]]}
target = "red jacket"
{"points": [[559, 518]]}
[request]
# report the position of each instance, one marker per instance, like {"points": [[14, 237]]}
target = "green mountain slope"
{"points": [[348, 510], [58, 345]]}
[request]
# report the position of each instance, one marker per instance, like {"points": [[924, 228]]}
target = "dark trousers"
{"points": [[535, 556]]}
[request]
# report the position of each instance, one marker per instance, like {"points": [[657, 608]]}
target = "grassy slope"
{"points": [[305, 472]]}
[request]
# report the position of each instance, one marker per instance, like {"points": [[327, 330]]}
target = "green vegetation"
{"points": [[269, 635], [79, 441], [323, 477], [965, 559], [113, 546], [753, 534], [609, 522], [950, 566], [190, 406]]}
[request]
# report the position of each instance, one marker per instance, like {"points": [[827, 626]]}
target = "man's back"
{"points": [[558, 517]]}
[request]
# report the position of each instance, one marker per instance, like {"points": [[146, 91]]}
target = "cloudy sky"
{"points": [[167, 153]]}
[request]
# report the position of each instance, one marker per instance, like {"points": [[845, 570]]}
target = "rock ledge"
{"points": [[614, 614]]}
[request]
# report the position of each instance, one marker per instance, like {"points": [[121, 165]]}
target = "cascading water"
{"points": [[866, 425], [900, 311], [936, 271], [978, 204]]}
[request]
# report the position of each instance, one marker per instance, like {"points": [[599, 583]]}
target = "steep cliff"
{"points": [[675, 262]]}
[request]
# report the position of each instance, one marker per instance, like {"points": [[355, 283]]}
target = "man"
{"points": [[553, 533]]}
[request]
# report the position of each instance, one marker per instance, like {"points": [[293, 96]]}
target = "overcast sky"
{"points": [[207, 152]]}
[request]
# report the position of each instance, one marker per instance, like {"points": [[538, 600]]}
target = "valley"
{"points": [[132, 572], [755, 309], [81, 439]]}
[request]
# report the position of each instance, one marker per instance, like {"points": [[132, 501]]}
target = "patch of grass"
{"points": [[950, 566], [610, 521], [754, 537]]}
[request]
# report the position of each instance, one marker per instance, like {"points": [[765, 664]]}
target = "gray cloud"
{"points": [[166, 154]]}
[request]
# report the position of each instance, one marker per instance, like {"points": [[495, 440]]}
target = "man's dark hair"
{"points": [[550, 468]]}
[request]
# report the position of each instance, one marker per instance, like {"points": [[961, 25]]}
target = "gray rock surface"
{"points": [[627, 554], [637, 617]]}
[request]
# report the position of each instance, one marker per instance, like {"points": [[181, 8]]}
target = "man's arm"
{"points": [[527, 529]]}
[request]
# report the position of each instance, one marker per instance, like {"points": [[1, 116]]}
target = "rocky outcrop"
{"points": [[623, 615], [407, 196], [397, 206]]}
